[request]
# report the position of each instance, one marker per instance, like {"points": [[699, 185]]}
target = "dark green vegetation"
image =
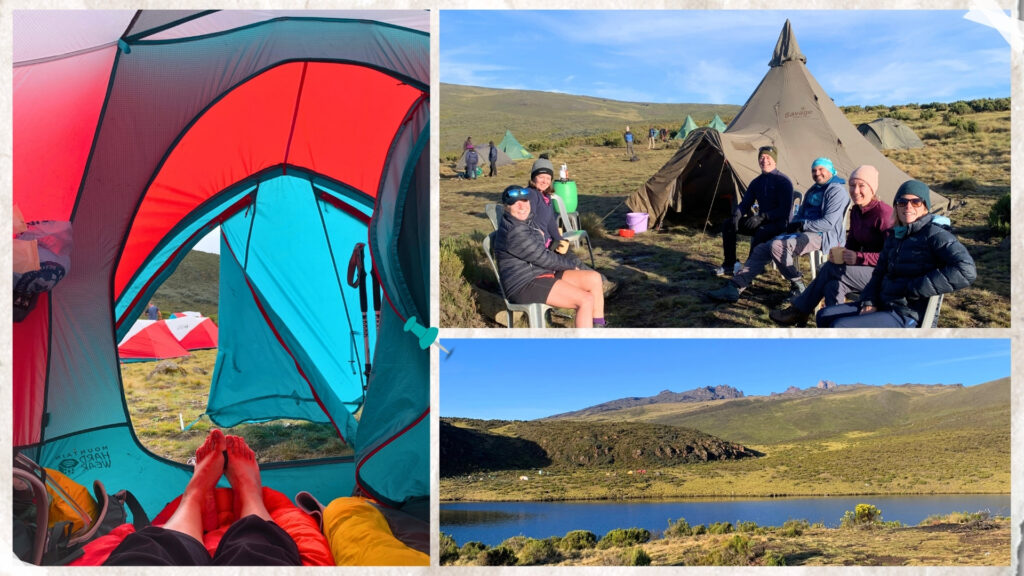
{"points": [[478, 445], [663, 278], [194, 286], [856, 439], [546, 120], [865, 540]]}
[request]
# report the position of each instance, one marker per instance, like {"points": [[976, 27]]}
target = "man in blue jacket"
{"points": [[772, 193], [818, 225]]}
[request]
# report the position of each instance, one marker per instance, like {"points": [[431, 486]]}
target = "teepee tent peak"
{"points": [[509, 145], [688, 126], [717, 123], [786, 48]]}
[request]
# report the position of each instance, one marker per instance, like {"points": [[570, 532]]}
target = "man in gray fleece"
{"points": [[818, 225]]}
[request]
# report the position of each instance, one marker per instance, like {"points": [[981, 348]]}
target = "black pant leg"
{"points": [[764, 233], [253, 541], [729, 229], [156, 546]]}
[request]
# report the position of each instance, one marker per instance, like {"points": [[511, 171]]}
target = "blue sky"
{"points": [[514, 378], [718, 57]]}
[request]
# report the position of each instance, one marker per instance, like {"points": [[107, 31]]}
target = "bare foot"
{"points": [[244, 475], [197, 509]]}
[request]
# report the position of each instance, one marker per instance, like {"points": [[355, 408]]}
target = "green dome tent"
{"points": [[688, 126], [509, 145], [890, 134], [304, 136]]}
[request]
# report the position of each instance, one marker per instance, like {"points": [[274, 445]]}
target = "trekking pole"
{"points": [[357, 279], [376, 297], [700, 245]]}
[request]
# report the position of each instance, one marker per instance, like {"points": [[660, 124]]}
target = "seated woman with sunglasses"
{"points": [[921, 258], [531, 273]]}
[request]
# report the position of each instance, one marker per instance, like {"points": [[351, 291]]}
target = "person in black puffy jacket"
{"points": [[531, 273], [921, 258]]}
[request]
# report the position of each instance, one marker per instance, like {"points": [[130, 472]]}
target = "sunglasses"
{"points": [[915, 202], [513, 196]]}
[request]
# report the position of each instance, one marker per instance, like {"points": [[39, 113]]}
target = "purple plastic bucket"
{"points": [[637, 221]]}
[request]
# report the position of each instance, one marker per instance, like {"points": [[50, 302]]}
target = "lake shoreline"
{"points": [[720, 497]]}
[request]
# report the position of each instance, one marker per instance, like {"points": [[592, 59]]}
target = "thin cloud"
{"points": [[1003, 354]]}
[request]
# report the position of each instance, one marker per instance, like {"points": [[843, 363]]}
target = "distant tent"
{"points": [[688, 126], [789, 110], [890, 134], [186, 313], [193, 332], [509, 145], [482, 150], [717, 124], [149, 340]]}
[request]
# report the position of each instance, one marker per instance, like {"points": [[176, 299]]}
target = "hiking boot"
{"points": [[791, 316], [796, 287], [728, 293]]}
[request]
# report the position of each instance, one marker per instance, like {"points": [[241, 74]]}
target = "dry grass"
{"points": [[155, 404], [663, 277]]}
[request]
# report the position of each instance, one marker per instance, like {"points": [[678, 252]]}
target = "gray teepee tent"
{"points": [[789, 110], [688, 126], [482, 150], [890, 134], [509, 145]]}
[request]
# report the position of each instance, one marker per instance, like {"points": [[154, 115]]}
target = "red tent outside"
{"points": [[149, 340], [193, 332]]}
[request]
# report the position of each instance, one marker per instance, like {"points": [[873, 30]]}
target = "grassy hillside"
{"points": [[908, 439], [543, 117], [663, 278], [194, 285], [474, 445]]}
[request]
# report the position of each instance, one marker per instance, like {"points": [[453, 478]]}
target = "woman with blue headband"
{"points": [[531, 273]]}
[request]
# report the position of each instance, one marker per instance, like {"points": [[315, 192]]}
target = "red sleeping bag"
{"points": [[313, 547]]}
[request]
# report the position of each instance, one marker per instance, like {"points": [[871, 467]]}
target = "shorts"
{"points": [[537, 290]]}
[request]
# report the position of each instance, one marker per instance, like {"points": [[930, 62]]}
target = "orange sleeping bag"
{"points": [[313, 547]]}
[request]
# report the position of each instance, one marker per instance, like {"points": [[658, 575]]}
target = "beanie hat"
{"points": [[769, 150], [915, 188], [867, 173], [542, 166], [826, 163]]}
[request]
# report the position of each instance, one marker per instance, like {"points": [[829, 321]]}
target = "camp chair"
{"points": [[931, 313], [494, 212], [536, 313], [572, 234]]}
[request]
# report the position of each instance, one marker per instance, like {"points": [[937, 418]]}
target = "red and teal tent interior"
{"points": [[303, 137]]}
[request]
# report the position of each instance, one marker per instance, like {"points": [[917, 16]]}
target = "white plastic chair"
{"points": [[536, 313], [575, 236], [494, 212]]}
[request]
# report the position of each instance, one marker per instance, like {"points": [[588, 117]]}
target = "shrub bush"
{"points": [[862, 516], [963, 183], [794, 527], [578, 540], [471, 550], [678, 528], [499, 556], [772, 558], [999, 216], [457, 301], [927, 114], [515, 543], [536, 552], [960, 107], [749, 526], [620, 537], [720, 528], [636, 557], [739, 544], [448, 550], [699, 529]]}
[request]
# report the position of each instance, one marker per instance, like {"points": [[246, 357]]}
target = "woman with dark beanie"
{"points": [[870, 219], [921, 258], [531, 273], [543, 212]]}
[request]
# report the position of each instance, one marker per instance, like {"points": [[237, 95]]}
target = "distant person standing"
{"points": [[152, 312], [468, 144], [492, 157], [472, 158], [652, 136], [628, 137]]}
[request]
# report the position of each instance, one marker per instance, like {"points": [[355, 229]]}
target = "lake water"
{"points": [[493, 522]]}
